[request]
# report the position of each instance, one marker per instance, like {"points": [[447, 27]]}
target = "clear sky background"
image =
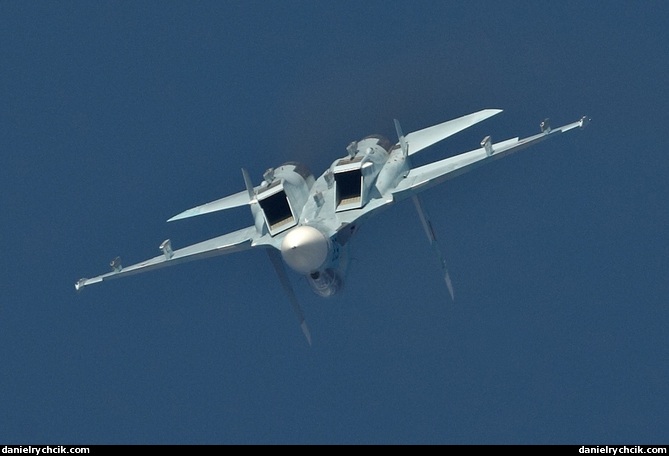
{"points": [[115, 116]]}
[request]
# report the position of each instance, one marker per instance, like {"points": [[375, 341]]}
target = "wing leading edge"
{"points": [[228, 243], [424, 177]]}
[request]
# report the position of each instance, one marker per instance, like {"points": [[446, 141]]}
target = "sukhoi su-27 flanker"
{"points": [[307, 223]]}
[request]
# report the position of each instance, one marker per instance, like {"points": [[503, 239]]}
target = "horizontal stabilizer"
{"points": [[426, 176], [419, 140], [229, 202]]}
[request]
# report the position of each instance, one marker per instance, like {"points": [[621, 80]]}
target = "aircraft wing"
{"points": [[424, 177], [228, 243]]}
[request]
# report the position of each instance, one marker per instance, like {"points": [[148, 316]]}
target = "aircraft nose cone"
{"points": [[305, 249]]}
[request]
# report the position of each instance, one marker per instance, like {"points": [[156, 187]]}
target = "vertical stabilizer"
{"points": [[402, 139], [248, 183], [429, 231]]}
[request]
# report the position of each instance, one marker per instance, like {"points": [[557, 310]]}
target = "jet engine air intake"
{"points": [[283, 194], [277, 209], [354, 176], [349, 188]]}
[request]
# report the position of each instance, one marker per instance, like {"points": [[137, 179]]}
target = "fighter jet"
{"points": [[307, 223]]}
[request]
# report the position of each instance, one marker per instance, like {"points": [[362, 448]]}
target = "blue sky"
{"points": [[117, 115]]}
